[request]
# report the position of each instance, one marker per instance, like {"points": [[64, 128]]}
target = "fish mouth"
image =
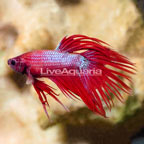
{"points": [[12, 62], [9, 61]]}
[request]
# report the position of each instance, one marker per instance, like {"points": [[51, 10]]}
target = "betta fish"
{"points": [[82, 67]]}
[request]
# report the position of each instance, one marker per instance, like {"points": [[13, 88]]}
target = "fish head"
{"points": [[17, 64]]}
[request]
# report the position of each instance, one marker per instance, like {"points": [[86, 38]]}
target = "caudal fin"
{"points": [[108, 69]]}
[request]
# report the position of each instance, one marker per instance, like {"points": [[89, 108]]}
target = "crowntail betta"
{"points": [[80, 53]]}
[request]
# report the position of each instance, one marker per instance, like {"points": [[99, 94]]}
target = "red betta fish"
{"points": [[82, 67]]}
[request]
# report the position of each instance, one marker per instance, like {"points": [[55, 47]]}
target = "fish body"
{"points": [[38, 62], [78, 66]]}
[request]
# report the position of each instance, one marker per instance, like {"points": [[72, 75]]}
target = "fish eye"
{"points": [[13, 62]]}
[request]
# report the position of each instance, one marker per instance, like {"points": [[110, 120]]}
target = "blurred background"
{"points": [[26, 25]]}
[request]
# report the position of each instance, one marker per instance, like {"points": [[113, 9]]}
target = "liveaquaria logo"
{"points": [[70, 72]]}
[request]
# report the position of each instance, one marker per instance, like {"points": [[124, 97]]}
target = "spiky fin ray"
{"points": [[42, 88], [77, 87], [99, 56]]}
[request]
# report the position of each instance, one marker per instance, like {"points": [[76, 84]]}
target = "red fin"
{"points": [[92, 89], [79, 42], [42, 88], [73, 85]]}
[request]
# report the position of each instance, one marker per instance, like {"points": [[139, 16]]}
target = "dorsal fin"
{"points": [[78, 42]]}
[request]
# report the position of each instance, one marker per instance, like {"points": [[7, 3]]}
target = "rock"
{"points": [[41, 22], [110, 23], [138, 79], [36, 24], [8, 35], [135, 42], [18, 119]]}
